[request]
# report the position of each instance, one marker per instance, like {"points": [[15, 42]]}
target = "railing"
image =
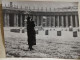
{"points": [[41, 10]]}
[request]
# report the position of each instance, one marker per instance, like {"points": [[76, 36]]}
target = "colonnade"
{"points": [[16, 20], [57, 21]]}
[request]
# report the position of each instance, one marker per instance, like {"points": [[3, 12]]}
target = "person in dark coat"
{"points": [[31, 33]]}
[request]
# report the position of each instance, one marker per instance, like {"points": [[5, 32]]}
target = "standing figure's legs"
{"points": [[30, 47]]}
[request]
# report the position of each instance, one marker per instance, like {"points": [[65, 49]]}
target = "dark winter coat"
{"points": [[31, 33]]}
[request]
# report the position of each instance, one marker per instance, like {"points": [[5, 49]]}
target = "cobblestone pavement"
{"points": [[48, 46]]}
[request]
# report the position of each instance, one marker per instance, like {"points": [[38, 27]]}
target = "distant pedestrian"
{"points": [[31, 33]]}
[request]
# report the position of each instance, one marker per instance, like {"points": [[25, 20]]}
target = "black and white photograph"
{"points": [[41, 29]]}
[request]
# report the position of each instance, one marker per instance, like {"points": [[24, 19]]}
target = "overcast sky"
{"points": [[41, 4]]}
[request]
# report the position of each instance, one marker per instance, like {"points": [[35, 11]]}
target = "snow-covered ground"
{"points": [[48, 46]]}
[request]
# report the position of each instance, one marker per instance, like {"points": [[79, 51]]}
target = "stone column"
{"points": [[76, 22], [25, 17], [8, 20], [66, 21], [41, 20], [21, 20], [46, 22], [34, 19], [49, 21], [54, 20], [37, 20], [58, 21], [5, 19], [17, 20], [71, 21], [62, 21], [25, 22]]}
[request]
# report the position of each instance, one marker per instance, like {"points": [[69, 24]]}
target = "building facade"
{"points": [[15, 17]]}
